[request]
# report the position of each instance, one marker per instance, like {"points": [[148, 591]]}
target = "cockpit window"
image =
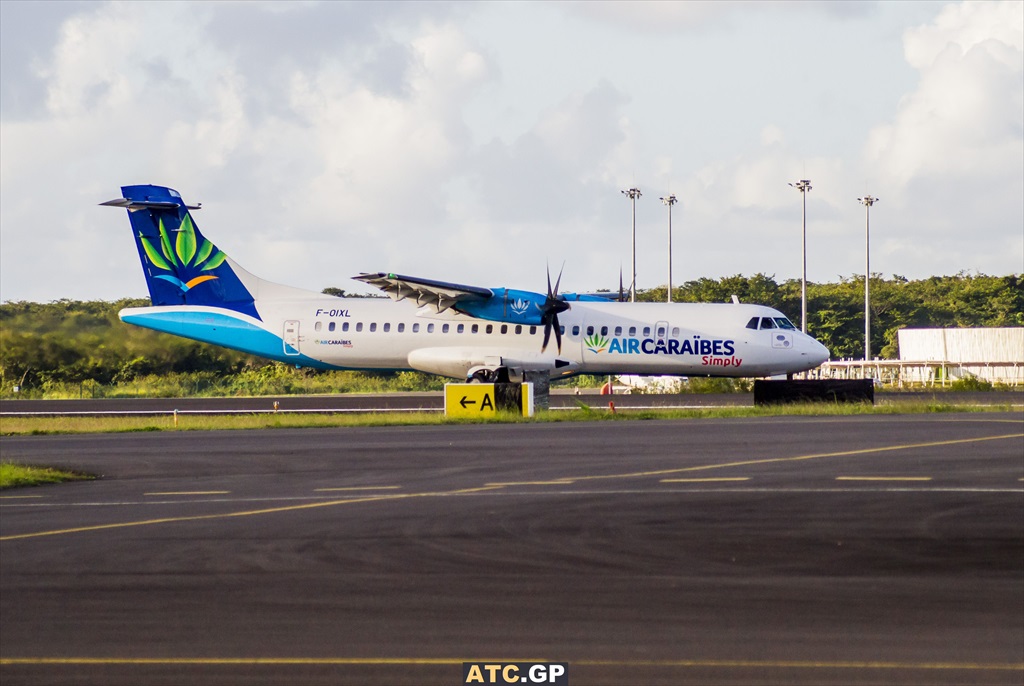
{"points": [[784, 323], [767, 323], [754, 321]]}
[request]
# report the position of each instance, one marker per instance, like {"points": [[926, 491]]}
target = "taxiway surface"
{"points": [[846, 550]]}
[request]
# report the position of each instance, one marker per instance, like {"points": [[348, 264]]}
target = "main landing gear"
{"points": [[484, 375]]}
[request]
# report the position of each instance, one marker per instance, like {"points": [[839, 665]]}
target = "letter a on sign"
{"points": [[487, 403]]}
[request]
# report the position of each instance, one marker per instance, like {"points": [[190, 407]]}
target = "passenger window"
{"points": [[576, 330], [590, 331], [519, 328], [533, 330], [475, 328], [444, 328], [344, 326], [752, 324], [401, 327], [373, 326], [647, 331], [618, 331], [675, 332], [416, 327], [318, 326], [359, 326], [632, 331], [387, 327], [767, 323], [661, 332], [461, 328], [504, 328], [430, 328], [604, 330], [490, 328], [330, 327], [561, 330]]}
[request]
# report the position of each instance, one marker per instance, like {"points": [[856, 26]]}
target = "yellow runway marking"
{"points": [[558, 482], [709, 480], [776, 460], [406, 661], [883, 478], [17, 497], [187, 493], [246, 513], [805, 664], [357, 488], [465, 491]]}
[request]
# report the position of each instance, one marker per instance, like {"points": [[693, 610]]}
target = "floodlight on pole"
{"points": [[867, 201], [670, 201], [633, 194], [803, 185]]}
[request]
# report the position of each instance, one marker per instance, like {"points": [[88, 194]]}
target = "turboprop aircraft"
{"points": [[454, 330]]}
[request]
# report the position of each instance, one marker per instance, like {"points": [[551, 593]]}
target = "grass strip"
{"points": [[17, 475], [20, 426]]}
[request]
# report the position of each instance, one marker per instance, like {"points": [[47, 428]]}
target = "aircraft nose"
{"points": [[816, 351]]}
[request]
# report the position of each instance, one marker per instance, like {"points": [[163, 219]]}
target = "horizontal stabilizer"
{"points": [[133, 205]]}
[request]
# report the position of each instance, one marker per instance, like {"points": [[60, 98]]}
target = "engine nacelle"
{"points": [[460, 362]]}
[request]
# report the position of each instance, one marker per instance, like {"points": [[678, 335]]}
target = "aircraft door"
{"points": [[291, 337], [661, 331]]}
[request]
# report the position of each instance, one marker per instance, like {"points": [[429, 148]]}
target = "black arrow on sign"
{"points": [[465, 402]]}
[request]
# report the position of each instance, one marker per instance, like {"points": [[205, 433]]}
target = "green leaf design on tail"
{"points": [[204, 251], [165, 245], [215, 261], [154, 257], [186, 243]]}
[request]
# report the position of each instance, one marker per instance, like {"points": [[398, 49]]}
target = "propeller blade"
{"points": [[553, 304]]}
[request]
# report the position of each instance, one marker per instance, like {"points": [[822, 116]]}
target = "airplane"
{"points": [[459, 331]]}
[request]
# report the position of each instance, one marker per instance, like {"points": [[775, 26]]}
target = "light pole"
{"points": [[633, 194], [803, 185], [670, 201], [867, 201]]}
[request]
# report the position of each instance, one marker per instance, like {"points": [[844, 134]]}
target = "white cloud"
{"points": [[952, 159], [663, 16], [966, 118], [966, 25], [343, 127]]}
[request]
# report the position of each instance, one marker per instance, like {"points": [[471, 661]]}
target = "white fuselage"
{"points": [[598, 338]]}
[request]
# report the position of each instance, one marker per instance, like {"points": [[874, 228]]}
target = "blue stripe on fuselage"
{"points": [[221, 329]]}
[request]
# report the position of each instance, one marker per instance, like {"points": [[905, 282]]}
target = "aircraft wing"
{"points": [[441, 294]]}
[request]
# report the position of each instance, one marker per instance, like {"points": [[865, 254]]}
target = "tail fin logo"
{"points": [[182, 257]]}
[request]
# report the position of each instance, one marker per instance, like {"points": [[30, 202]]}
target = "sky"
{"points": [[482, 142]]}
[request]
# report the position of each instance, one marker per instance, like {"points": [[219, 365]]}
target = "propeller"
{"points": [[553, 304], [622, 292]]}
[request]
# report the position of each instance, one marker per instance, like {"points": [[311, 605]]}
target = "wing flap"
{"points": [[440, 294]]}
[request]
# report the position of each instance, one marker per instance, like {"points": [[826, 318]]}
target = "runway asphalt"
{"points": [[842, 550]]}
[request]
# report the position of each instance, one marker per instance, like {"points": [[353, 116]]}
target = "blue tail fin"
{"points": [[181, 266]]}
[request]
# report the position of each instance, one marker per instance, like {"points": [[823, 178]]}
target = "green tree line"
{"points": [[835, 311], [44, 345]]}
